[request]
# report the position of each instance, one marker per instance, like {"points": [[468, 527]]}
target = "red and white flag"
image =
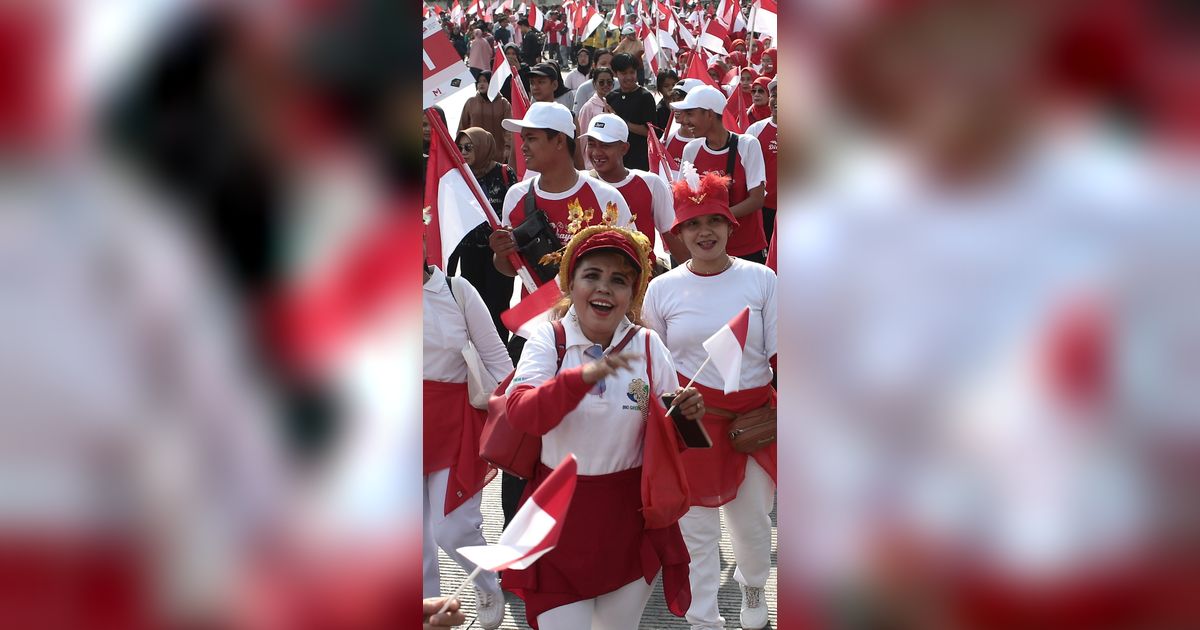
{"points": [[501, 70], [735, 116], [520, 101], [764, 17], [535, 529], [591, 21], [455, 208], [716, 35], [536, 19], [444, 72], [456, 12], [725, 349], [653, 52], [698, 68], [532, 310], [660, 160]]}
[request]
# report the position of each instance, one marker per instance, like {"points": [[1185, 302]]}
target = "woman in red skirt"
{"points": [[454, 472], [686, 306], [596, 406]]}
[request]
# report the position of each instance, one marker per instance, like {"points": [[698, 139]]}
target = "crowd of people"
{"points": [[639, 244]]}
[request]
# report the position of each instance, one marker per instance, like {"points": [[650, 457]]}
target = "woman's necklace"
{"points": [[728, 264]]}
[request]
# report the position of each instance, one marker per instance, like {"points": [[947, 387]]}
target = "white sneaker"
{"points": [[754, 608], [489, 609]]}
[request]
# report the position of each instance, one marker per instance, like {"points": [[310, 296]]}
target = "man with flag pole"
{"points": [[717, 314]]}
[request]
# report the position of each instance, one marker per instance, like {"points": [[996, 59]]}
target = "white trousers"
{"points": [[460, 528], [749, 519], [616, 610]]}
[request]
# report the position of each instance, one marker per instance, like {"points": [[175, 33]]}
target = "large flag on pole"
{"points": [[716, 35], [764, 15], [536, 20], [454, 208], [725, 349], [592, 20], [535, 529], [444, 70], [520, 101]]}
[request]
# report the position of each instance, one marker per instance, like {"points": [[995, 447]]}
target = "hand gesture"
{"points": [[607, 365]]}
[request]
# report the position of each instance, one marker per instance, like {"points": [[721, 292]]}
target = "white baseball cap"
{"points": [[703, 97], [543, 116], [687, 85], [608, 128]]}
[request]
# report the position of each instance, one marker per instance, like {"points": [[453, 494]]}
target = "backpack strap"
{"points": [[731, 157], [560, 341], [530, 202]]}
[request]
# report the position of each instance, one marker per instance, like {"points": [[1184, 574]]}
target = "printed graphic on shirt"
{"points": [[639, 392]]}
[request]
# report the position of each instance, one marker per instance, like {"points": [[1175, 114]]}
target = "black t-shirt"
{"points": [[638, 108]]}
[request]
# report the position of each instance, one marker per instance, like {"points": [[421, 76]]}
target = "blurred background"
{"points": [[988, 245]]}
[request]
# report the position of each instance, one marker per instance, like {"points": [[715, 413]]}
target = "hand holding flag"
{"points": [[534, 530], [726, 346]]}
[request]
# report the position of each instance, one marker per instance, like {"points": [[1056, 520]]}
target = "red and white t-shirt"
{"points": [[674, 146], [768, 139], [649, 199], [686, 308], [588, 191], [556, 33], [749, 173]]}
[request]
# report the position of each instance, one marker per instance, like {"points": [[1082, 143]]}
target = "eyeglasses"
{"points": [[759, 91], [608, 82], [466, 148]]}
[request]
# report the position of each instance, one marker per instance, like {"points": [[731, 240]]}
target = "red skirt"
{"points": [[451, 440], [715, 474], [603, 546]]}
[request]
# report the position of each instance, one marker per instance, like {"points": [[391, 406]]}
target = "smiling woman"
{"points": [[598, 406]]}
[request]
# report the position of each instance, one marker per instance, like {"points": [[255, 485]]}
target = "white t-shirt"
{"points": [[686, 308], [749, 155], [445, 332], [606, 431]]}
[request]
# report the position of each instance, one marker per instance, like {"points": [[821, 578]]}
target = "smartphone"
{"points": [[693, 434]]}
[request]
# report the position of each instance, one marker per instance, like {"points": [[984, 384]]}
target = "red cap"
{"points": [[711, 196], [606, 240]]}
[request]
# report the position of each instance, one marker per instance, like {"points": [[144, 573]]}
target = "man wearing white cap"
{"points": [[739, 156], [677, 136], [767, 133], [548, 144], [648, 195]]}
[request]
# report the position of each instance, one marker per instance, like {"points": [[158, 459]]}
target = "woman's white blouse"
{"points": [[605, 431], [445, 332], [686, 308]]}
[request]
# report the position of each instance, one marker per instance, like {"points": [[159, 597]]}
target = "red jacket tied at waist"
{"points": [[451, 440], [714, 474]]}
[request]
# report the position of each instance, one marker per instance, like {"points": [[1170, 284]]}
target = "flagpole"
{"points": [[439, 128], [702, 366], [446, 604], [750, 46]]}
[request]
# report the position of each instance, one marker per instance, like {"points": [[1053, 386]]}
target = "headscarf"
{"points": [[738, 42], [760, 112], [483, 157], [774, 55], [585, 70], [753, 78]]}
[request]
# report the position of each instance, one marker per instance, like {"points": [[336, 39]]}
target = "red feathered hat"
{"points": [[697, 195]]}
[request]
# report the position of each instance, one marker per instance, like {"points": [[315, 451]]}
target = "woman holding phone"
{"points": [[686, 306]]}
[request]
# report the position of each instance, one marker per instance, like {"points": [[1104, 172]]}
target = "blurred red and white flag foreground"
{"points": [[725, 349], [532, 310], [535, 528]]}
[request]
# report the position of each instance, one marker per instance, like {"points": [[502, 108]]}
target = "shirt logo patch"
{"points": [[639, 392]]}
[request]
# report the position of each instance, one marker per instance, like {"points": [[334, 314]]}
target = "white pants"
{"points": [[460, 528], [749, 519], [617, 610]]}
